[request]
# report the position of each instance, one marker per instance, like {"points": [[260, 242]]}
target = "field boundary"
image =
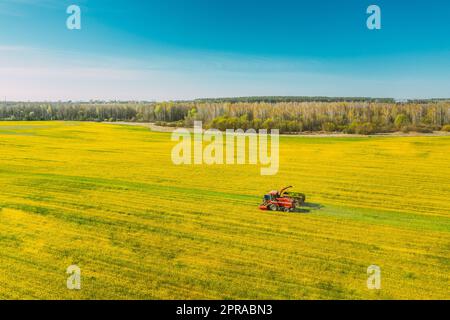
{"points": [[153, 127]]}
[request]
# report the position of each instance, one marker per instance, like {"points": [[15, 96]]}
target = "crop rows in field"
{"points": [[108, 199]]}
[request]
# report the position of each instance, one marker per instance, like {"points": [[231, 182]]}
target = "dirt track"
{"points": [[156, 128]]}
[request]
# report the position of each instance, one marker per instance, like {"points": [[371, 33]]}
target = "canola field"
{"points": [[108, 199]]}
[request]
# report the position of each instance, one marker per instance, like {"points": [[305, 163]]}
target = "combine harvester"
{"points": [[282, 200]]}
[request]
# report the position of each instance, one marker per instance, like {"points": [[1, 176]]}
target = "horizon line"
{"points": [[255, 98]]}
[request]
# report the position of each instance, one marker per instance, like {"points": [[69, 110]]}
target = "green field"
{"points": [[109, 199]]}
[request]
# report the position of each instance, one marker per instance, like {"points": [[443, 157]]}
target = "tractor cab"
{"points": [[271, 196], [274, 194]]}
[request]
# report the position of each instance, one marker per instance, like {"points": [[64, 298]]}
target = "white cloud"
{"points": [[39, 74], [13, 49]]}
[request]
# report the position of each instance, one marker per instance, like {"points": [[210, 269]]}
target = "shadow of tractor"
{"points": [[307, 207]]}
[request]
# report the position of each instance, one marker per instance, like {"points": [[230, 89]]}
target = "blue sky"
{"points": [[174, 49]]}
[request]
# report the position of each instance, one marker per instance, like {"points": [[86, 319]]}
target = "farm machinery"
{"points": [[282, 200]]}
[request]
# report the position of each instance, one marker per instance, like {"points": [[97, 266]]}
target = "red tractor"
{"points": [[282, 200]]}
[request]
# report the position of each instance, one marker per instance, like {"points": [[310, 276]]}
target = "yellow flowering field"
{"points": [[108, 199]]}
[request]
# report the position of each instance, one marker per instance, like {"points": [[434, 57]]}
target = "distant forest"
{"points": [[288, 114]]}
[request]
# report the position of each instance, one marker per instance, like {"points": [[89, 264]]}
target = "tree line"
{"points": [[275, 99], [360, 115], [68, 111]]}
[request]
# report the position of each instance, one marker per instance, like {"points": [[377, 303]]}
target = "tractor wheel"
{"points": [[273, 207], [287, 209]]}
